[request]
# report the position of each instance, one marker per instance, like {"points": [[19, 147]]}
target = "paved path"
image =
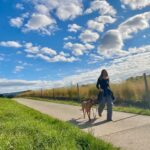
{"points": [[128, 131]]}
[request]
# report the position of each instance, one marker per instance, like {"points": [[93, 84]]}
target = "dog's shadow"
{"points": [[87, 124]]}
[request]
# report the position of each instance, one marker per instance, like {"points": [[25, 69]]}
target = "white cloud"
{"points": [[92, 24], [16, 22], [63, 58], [18, 69], [40, 23], [49, 51], [57, 58], [78, 48], [111, 44], [42, 16], [89, 36], [73, 27], [94, 58], [99, 22], [136, 4], [31, 49], [47, 54], [105, 19], [113, 40], [63, 9], [13, 44], [64, 54], [134, 64], [134, 24], [44, 53], [69, 38], [102, 6], [19, 6], [42, 9], [69, 10]]}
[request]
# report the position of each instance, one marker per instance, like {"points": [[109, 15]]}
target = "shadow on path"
{"points": [[126, 118], [82, 124], [87, 124]]}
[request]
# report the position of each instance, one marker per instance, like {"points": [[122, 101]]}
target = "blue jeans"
{"points": [[106, 100]]}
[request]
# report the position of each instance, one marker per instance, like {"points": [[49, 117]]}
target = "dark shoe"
{"points": [[100, 115], [109, 120]]}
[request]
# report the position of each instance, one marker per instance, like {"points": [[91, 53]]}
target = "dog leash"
{"points": [[94, 114]]}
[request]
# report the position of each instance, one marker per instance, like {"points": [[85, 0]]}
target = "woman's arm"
{"points": [[98, 84]]}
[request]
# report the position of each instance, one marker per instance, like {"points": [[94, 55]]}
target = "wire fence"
{"points": [[133, 90]]}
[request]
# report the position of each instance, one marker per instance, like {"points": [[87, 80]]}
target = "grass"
{"points": [[68, 102], [22, 128], [132, 109], [128, 109]]}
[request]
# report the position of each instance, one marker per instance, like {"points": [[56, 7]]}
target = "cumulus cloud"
{"points": [[73, 27], [78, 48], [136, 4], [134, 24], [105, 19], [13, 44], [57, 58], [49, 51], [42, 9], [92, 24], [31, 49], [111, 44], [113, 40], [69, 10], [16, 22], [102, 6], [42, 16], [63, 9], [89, 36], [37, 51], [47, 54], [99, 22], [41, 23]]}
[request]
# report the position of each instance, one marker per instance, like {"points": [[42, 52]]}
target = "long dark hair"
{"points": [[104, 74]]}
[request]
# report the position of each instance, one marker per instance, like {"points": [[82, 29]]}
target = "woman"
{"points": [[105, 95]]}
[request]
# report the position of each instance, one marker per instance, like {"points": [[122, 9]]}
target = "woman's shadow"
{"points": [[87, 124]]}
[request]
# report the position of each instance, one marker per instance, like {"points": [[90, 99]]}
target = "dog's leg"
{"points": [[88, 113], [83, 111]]}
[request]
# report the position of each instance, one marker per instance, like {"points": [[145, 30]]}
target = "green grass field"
{"points": [[22, 128]]}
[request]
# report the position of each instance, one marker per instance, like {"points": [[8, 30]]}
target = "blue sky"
{"points": [[46, 43]]}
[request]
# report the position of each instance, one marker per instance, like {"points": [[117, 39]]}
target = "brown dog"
{"points": [[86, 107]]}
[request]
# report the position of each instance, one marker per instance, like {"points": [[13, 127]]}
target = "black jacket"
{"points": [[104, 85]]}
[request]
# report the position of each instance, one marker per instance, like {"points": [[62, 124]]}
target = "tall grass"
{"points": [[132, 89]]}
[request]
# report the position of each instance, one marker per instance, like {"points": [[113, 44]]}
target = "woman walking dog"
{"points": [[105, 95]]}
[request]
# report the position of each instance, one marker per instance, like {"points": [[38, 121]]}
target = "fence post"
{"points": [[78, 91], [146, 87], [41, 93], [53, 94]]}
